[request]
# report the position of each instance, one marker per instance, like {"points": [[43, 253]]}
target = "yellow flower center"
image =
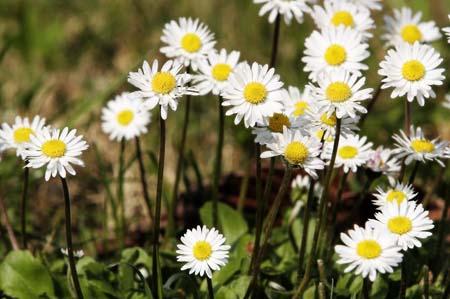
{"points": [[329, 121], [22, 135], [335, 55], [321, 133], [342, 18], [221, 71], [277, 122], [347, 152], [338, 92], [125, 117], [368, 249], [300, 108], [411, 33], [191, 42], [296, 152], [54, 148], [163, 82], [255, 93], [396, 195], [413, 70], [422, 146], [202, 250], [399, 225]]}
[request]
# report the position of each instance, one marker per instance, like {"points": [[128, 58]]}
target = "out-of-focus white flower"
{"points": [[287, 8], [76, 253], [382, 160]]}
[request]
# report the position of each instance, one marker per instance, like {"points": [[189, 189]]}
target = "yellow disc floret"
{"points": [[396, 195], [54, 148], [163, 82], [277, 122], [348, 152], [422, 146], [411, 33], [221, 71], [191, 42], [328, 120], [300, 108], [202, 250], [368, 249], [413, 70], [342, 18], [296, 153], [338, 92], [400, 225], [335, 55], [255, 93], [125, 117], [22, 135]]}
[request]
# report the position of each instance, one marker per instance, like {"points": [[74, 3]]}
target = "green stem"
{"points": [[120, 192], [26, 175], [413, 173], [426, 282], [366, 288], [218, 163], [402, 291], [259, 208], [210, 288], [143, 176], [73, 268]]}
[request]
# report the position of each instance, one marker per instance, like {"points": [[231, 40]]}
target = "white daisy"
{"points": [[418, 148], [273, 124], [188, 41], [370, 4], [368, 251], [297, 150], [352, 152], [302, 182], [335, 48], [163, 87], [447, 31], [397, 193], [287, 8], [18, 135], [412, 71], [446, 102], [341, 93], [202, 250], [405, 27], [408, 222], [383, 161], [55, 149], [254, 93], [297, 103], [343, 13], [123, 117], [215, 70]]}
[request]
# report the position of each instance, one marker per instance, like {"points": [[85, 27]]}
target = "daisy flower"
{"points": [[446, 102], [202, 251], [163, 87], [273, 124], [370, 4], [382, 160], [418, 148], [18, 135], [340, 92], [55, 149], [412, 71], [334, 48], [297, 103], [188, 41], [353, 152], [368, 251], [297, 150], [397, 193], [302, 182], [406, 27], [254, 93], [287, 8], [123, 117], [447, 31], [343, 13], [215, 70], [408, 222]]}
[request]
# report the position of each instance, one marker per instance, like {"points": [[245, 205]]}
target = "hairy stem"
{"points": [[143, 175]]}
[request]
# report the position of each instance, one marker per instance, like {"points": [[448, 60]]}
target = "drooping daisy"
{"points": [[397, 193], [18, 135], [368, 251], [274, 124], [343, 13], [202, 251], [341, 93], [163, 87], [334, 48], [254, 93], [187, 41], [382, 160], [297, 103], [406, 27], [408, 222], [123, 117], [446, 102], [215, 71], [417, 147], [370, 4], [296, 149], [412, 71], [287, 8], [353, 152], [57, 150], [447, 31]]}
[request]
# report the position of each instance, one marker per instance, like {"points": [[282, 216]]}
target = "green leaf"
{"points": [[379, 288], [356, 285], [24, 276], [226, 273], [232, 224], [95, 279]]}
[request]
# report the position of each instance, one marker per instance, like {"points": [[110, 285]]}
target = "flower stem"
{"points": [[156, 271], [73, 269], [140, 157], [218, 164], [413, 173], [276, 37], [9, 230], [23, 214], [402, 291], [305, 231], [210, 288], [259, 209], [304, 282], [366, 288], [426, 282], [120, 193]]}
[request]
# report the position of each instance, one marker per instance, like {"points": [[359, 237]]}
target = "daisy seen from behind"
{"points": [[397, 193], [407, 222], [161, 87], [412, 70], [368, 251], [202, 251], [124, 118], [289, 9], [56, 150], [187, 41], [253, 93], [382, 160]]}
